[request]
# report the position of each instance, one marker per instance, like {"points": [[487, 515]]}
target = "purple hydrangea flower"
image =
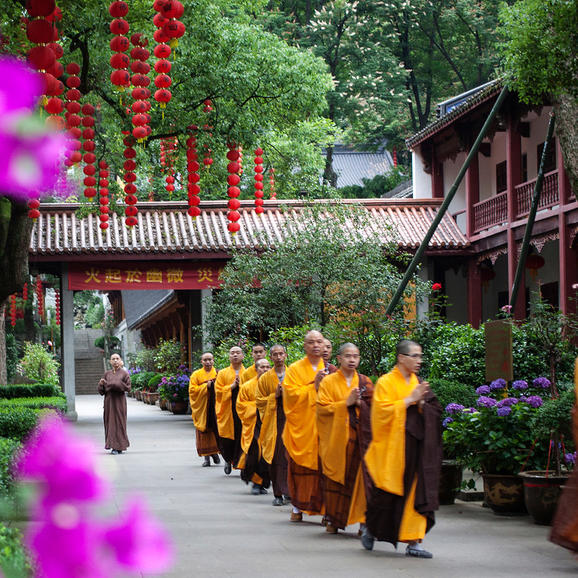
{"points": [[484, 390], [447, 421], [520, 385], [507, 402], [470, 410], [454, 408], [498, 384], [484, 401], [542, 382], [504, 411], [569, 458], [534, 401]]}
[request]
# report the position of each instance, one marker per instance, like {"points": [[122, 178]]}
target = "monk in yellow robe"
{"points": [[202, 400], [269, 399], [565, 524], [300, 434], [258, 352], [404, 456], [253, 467], [339, 400], [326, 354], [228, 423]]}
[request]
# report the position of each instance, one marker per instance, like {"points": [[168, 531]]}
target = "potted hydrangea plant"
{"points": [[495, 438], [177, 390]]}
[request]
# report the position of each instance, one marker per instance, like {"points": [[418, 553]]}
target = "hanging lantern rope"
{"points": [[233, 190], [13, 309], [119, 27], [140, 94], [39, 296], [193, 177], [103, 192], [88, 147], [162, 52], [259, 181], [57, 306], [129, 178]]}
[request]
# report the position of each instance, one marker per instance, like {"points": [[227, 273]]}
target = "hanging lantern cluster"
{"points": [[129, 178], [25, 292], [162, 52], [40, 30], [88, 147], [39, 296], [259, 180], [57, 306], [272, 191], [119, 61], [13, 309], [233, 179], [103, 192], [193, 178], [140, 81], [171, 28], [72, 117]]}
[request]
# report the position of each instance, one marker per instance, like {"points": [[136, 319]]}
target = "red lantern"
{"points": [[163, 96], [533, 263], [38, 8], [41, 57], [118, 9], [39, 31]]}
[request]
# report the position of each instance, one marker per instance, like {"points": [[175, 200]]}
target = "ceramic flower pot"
{"points": [[153, 398], [504, 494], [541, 492], [450, 482], [179, 407]]}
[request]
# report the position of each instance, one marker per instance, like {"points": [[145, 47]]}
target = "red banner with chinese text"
{"points": [[144, 276]]}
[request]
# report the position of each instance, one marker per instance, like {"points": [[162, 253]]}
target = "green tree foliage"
{"points": [[330, 268], [39, 364]]}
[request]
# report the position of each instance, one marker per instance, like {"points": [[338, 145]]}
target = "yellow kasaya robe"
{"points": [[385, 457], [247, 412], [334, 433], [266, 401], [223, 402], [299, 403], [247, 374], [199, 396]]}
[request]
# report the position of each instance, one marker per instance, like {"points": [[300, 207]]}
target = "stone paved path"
{"points": [[220, 529]]}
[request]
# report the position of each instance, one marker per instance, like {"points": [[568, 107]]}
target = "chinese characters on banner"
{"points": [[164, 275]]}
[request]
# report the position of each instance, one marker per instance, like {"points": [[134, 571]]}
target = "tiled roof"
{"points": [[486, 92], [165, 230], [352, 166]]}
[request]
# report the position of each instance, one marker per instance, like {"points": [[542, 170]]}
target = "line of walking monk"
{"points": [[328, 441]]}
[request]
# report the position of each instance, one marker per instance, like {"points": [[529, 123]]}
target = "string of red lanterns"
{"points": [[162, 51], [72, 118], [259, 180], [193, 178], [103, 191], [39, 296], [129, 178], [140, 94], [273, 192], [25, 292], [88, 147], [233, 190], [172, 27], [57, 306], [119, 61], [13, 309]]}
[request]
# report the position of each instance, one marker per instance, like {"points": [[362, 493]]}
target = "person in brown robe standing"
{"points": [[114, 385]]}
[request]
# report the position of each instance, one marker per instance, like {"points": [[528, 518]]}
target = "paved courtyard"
{"points": [[220, 529]]}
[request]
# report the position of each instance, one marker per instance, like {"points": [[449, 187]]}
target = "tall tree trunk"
{"points": [[566, 109], [329, 175]]}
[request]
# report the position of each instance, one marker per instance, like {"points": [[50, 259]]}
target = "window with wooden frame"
{"points": [[501, 177]]}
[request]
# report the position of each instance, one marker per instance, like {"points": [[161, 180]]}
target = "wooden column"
{"points": [[474, 294], [564, 190], [472, 193], [67, 321], [514, 174], [437, 176]]}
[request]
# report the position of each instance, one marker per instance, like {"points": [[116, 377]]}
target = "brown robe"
{"points": [[117, 383], [278, 467], [422, 457]]}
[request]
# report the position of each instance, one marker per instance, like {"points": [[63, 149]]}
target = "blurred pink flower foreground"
{"points": [[31, 155], [69, 541]]}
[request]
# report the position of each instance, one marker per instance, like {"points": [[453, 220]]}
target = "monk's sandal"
{"points": [[367, 539], [417, 551]]}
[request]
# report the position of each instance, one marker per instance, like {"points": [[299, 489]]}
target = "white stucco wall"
{"points": [[421, 180]]}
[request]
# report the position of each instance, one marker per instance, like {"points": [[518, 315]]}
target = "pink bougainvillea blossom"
{"points": [[64, 465], [139, 541], [31, 154]]}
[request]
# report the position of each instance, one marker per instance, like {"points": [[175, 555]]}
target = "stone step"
{"points": [[87, 373]]}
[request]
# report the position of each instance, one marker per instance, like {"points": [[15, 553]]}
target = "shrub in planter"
{"points": [[154, 382], [453, 392]]}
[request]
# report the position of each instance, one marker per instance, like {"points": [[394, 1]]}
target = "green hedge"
{"points": [[8, 449], [14, 559], [18, 422], [453, 392], [29, 390], [57, 403]]}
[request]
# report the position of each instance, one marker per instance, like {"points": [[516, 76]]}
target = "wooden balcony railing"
{"points": [[548, 198], [494, 211]]}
